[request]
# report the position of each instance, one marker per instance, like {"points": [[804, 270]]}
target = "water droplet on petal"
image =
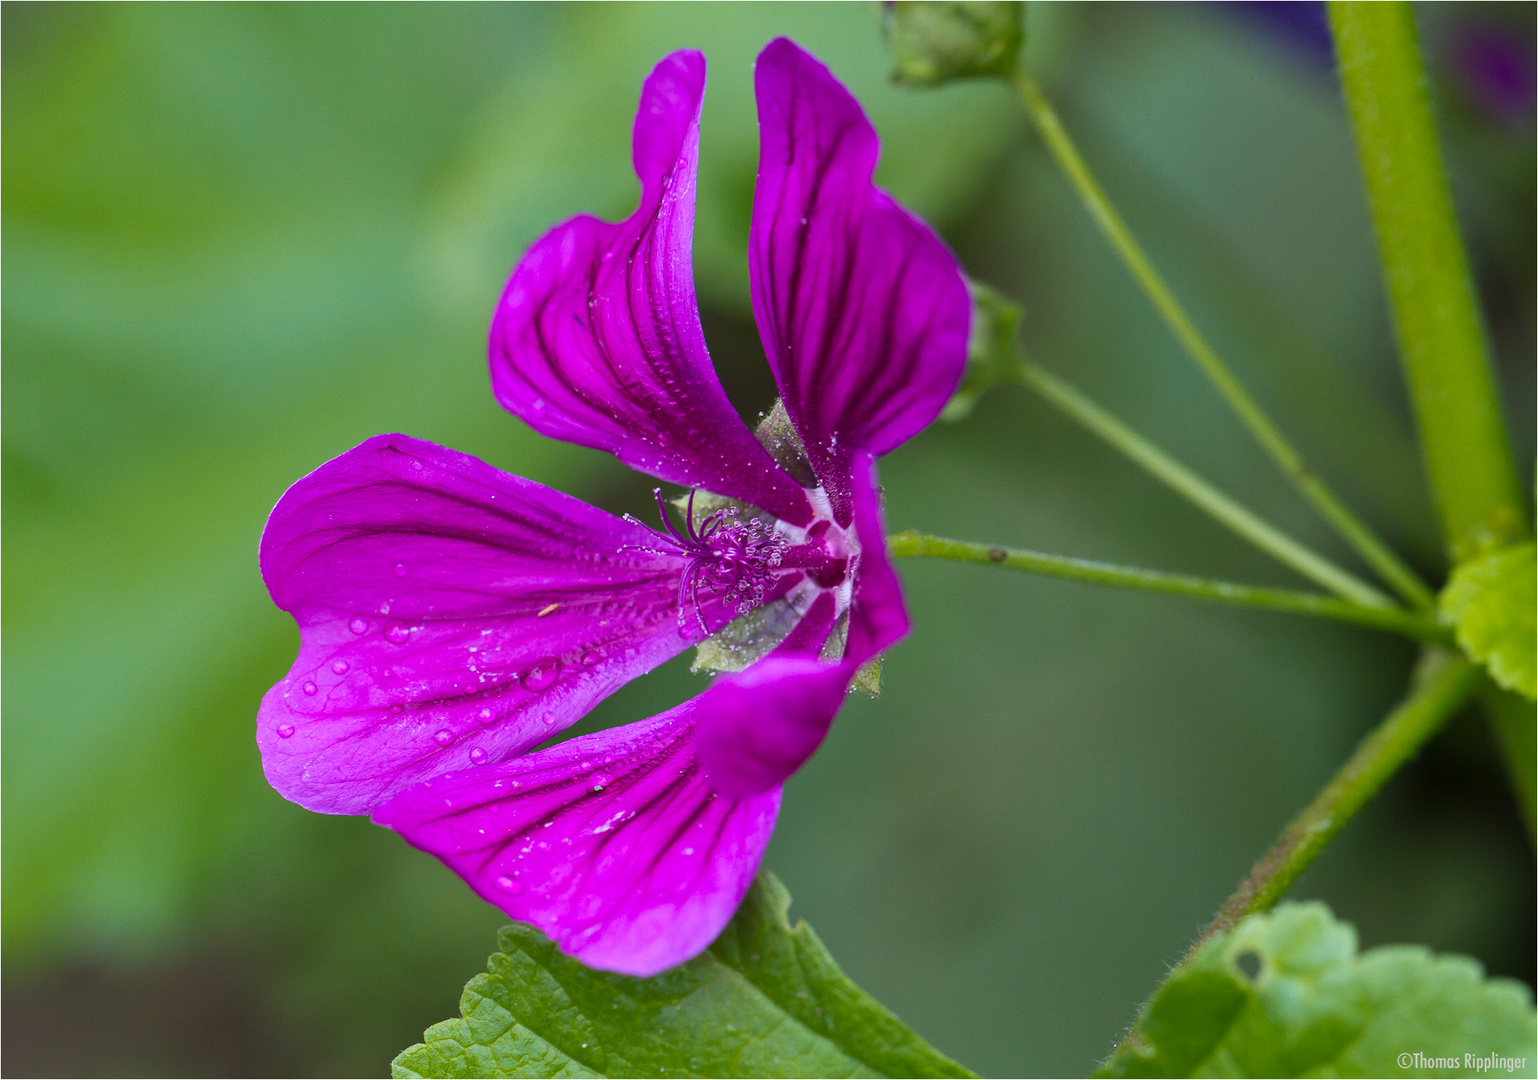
{"points": [[537, 406], [541, 675], [543, 845], [486, 716], [397, 633], [285, 731], [309, 688], [478, 756], [400, 569], [507, 884], [590, 659], [443, 737], [340, 667], [396, 710], [358, 626]]}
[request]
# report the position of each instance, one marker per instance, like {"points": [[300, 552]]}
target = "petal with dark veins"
{"points": [[611, 843]]}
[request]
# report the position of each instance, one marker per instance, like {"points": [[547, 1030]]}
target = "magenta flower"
{"points": [[453, 617]]}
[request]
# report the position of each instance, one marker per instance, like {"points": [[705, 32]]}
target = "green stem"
{"points": [[914, 544], [1512, 721], [1262, 534], [1374, 551], [1443, 686], [1444, 683], [1436, 317]]}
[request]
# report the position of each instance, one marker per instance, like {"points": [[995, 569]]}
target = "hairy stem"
{"points": [[1202, 494], [911, 544], [1352, 529], [1444, 682]]}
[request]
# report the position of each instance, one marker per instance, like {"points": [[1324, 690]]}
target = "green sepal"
{"points": [[1490, 602], [934, 43], [993, 356], [1286, 994], [765, 999]]}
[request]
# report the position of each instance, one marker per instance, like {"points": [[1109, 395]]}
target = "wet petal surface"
{"points": [[862, 308], [597, 337], [450, 614], [611, 843]]}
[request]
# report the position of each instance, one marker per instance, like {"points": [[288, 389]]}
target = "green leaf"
{"points": [[765, 1000], [935, 42], [1490, 600], [993, 357], [1285, 994]]}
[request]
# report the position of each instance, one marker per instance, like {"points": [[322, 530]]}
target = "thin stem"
{"points": [[914, 544], [1443, 684], [1261, 533], [1352, 529]]}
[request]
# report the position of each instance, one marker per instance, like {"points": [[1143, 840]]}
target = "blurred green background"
{"points": [[240, 239]]}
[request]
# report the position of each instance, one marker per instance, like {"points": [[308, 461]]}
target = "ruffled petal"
{"points": [[757, 727], [597, 337], [450, 614], [862, 308], [612, 843]]}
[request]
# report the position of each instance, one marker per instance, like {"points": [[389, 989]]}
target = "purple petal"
{"points": [[879, 618], [612, 843], [862, 308], [449, 614], [597, 337], [759, 726]]}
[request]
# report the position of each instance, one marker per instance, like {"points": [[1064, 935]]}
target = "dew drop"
{"points": [[358, 626], [443, 737], [537, 406], [400, 569], [285, 731], [340, 667], [543, 845], [486, 716], [507, 884], [477, 756], [309, 688], [397, 633], [590, 659], [541, 675], [396, 710]]}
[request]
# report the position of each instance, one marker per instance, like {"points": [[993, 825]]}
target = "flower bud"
{"points": [[992, 354], [936, 42]]}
